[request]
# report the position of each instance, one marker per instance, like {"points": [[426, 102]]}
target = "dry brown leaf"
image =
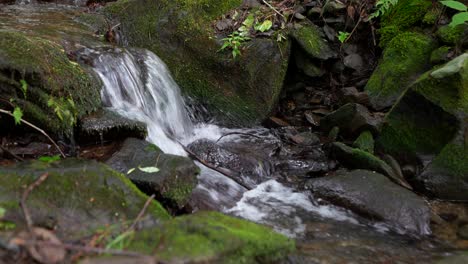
{"points": [[46, 247]]}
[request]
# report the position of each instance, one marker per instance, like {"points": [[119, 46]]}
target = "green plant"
{"points": [[49, 159], [24, 87], [382, 7], [343, 36], [459, 18], [65, 109], [234, 42]]}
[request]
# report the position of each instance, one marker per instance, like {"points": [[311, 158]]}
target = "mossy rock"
{"points": [[45, 69], [211, 237], [457, 35], [404, 58], [173, 182], [365, 142], [431, 119], [402, 17], [78, 197], [440, 55], [239, 91], [312, 41]]}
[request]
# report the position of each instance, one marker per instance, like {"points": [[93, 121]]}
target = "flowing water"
{"points": [[138, 85]]}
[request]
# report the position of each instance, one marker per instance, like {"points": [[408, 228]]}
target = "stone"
{"points": [[237, 92], [173, 183], [352, 95], [351, 119], [306, 138], [374, 196], [354, 61], [306, 65], [404, 58], [358, 159], [105, 125], [312, 42], [457, 35], [365, 142], [430, 121], [441, 55], [463, 232]]}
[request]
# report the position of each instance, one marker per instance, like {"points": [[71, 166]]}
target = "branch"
{"points": [[38, 129], [274, 9], [24, 197]]}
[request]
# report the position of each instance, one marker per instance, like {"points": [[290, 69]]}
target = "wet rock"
{"points": [[358, 159], [175, 180], [78, 197], [373, 195], [403, 59], [238, 92], [311, 41], [430, 120], [248, 167], [106, 125], [306, 138], [351, 119]]}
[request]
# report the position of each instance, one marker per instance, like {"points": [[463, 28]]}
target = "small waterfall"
{"points": [[139, 86]]}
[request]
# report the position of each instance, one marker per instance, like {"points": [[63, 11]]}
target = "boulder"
{"points": [[430, 121], [312, 41], [34, 72], [105, 125], [78, 197], [240, 91], [404, 58], [373, 195], [351, 119], [174, 179]]}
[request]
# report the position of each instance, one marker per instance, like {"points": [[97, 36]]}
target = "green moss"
{"points": [[311, 40], [212, 237], [365, 142], [49, 73], [440, 55], [452, 35], [453, 159], [432, 15], [406, 56], [402, 17], [78, 196]]}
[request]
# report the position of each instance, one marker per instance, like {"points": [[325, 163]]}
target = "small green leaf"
{"points": [[265, 26], [459, 19], [49, 159], [455, 5], [249, 21], [130, 170], [17, 115], [2, 212], [343, 36], [148, 169], [24, 87]]}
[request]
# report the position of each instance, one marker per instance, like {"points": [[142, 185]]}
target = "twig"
{"points": [[223, 171], [38, 129], [23, 242], [274, 9], [24, 197], [141, 214], [11, 153], [237, 133]]}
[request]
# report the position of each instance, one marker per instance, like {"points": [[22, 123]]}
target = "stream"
{"points": [[138, 85]]}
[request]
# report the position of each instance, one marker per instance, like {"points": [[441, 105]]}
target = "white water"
{"points": [[139, 86]]}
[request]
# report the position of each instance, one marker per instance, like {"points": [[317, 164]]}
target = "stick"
{"points": [[11, 153], [274, 9], [24, 197], [38, 129], [237, 133], [223, 171], [141, 214]]}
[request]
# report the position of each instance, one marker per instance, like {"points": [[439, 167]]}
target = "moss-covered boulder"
{"points": [[211, 237], [238, 91], [78, 197], [404, 58], [431, 120], [405, 15], [34, 70], [174, 179], [365, 142], [312, 41]]}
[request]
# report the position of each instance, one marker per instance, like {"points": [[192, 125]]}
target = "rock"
{"points": [[306, 139], [250, 3], [276, 122], [463, 232], [44, 68], [352, 95], [307, 66], [456, 258], [354, 61], [406, 56], [453, 35], [175, 180], [333, 134], [365, 142], [311, 41], [430, 120], [329, 32], [401, 18], [238, 92], [441, 55], [375, 196], [106, 125], [246, 166], [358, 159], [351, 119], [78, 198], [312, 118]]}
